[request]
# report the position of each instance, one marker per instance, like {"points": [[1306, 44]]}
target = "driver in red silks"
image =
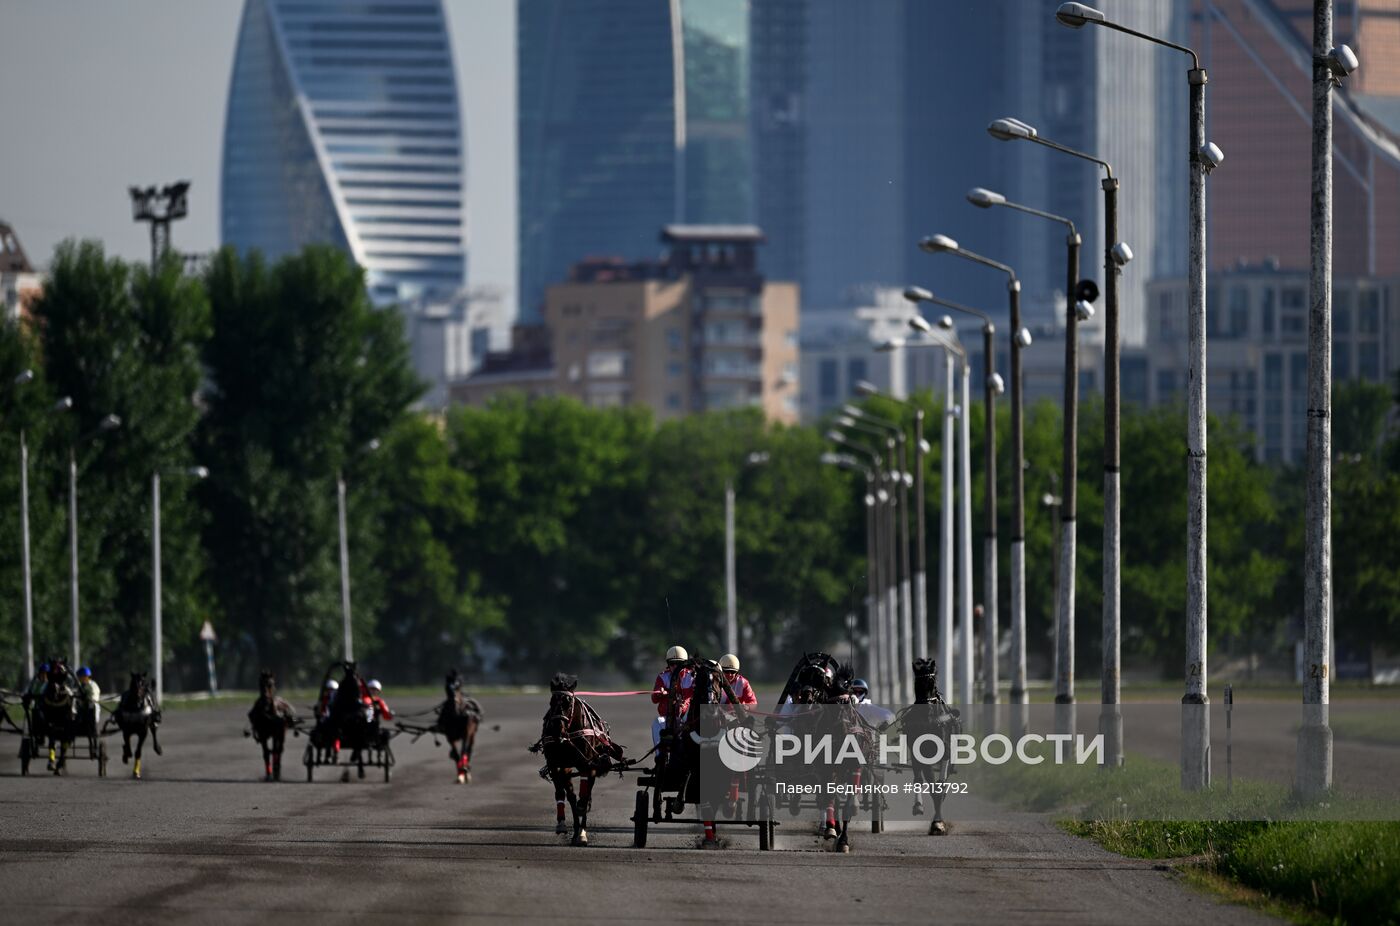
{"points": [[676, 656]]}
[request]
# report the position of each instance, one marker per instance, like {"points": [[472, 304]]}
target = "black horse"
{"points": [[458, 718], [929, 715], [821, 682], [269, 720], [575, 741], [138, 716], [58, 716]]}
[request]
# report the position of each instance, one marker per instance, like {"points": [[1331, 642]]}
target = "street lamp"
{"points": [[1020, 339], [157, 647], [1314, 757], [905, 636], [24, 378], [882, 618], [846, 461], [345, 553], [731, 613], [1065, 538], [1203, 158], [921, 449], [891, 437], [109, 423], [1116, 255], [961, 411]]}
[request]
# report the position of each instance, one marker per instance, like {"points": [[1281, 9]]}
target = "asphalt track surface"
{"points": [[202, 840]]}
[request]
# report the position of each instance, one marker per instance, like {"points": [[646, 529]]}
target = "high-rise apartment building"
{"points": [[699, 329], [633, 115], [343, 127]]}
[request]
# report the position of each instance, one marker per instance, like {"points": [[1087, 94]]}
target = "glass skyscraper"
{"points": [[633, 115], [343, 127]]}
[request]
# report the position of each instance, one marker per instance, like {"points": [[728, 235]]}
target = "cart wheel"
{"points": [[762, 804], [24, 756], [877, 810], [309, 759], [102, 760], [388, 763], [640, 813]]}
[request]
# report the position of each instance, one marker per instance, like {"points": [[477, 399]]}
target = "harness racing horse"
{"points": [[348, 721], [270, 719], [457, 720], [822, 682], [929, 715], [136, 715], [575, 740], [58, 709]]}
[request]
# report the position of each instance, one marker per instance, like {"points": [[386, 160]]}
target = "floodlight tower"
{"points": [[160, 208]]}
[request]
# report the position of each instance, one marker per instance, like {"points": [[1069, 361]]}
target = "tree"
{"points": [[303, 373], [124, 339]]}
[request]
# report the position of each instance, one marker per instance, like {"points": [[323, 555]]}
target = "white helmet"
{"points": [[677, 654], [729, 663], [374, 685], [332, 684]]}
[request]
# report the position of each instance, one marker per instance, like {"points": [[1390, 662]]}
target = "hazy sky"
{"points": [[96, 96]]}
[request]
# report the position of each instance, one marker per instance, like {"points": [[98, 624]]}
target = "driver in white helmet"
{"points": [[323, 706], [378, 707], [676, 657], [743, 691]]}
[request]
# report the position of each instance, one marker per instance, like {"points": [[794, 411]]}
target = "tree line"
{"points": [[529, 536]]}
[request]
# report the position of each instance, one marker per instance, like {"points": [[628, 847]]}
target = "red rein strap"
{"points": [[609, 694]]}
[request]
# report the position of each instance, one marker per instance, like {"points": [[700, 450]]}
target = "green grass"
{"points": [[1316, 862]]}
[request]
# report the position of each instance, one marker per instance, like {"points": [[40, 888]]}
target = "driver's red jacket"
{"points": [[661, 691], [381, 708]]}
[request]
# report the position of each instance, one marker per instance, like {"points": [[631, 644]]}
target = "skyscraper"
{"points": [[343, 127], [633, 115]]}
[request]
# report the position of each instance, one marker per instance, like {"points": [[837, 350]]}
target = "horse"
{"points": [[269, 720], [820, 680], [929, 715], [58, 711], [575, 740], [347, 720], [137, 715], [458, 717]]}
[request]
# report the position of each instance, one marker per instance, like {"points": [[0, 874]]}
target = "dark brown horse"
{"points": [[269, 721], [930, 716], [457, 720], [137, 716], [576, 743]]}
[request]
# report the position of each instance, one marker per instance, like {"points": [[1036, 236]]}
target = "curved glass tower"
{"points": [[343, 127]]}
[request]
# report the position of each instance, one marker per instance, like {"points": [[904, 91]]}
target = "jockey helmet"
{"points": [[859, 686], [677, 654], [374, 685], [85, 672], [332, 684], [729, 663], [43, 667]]}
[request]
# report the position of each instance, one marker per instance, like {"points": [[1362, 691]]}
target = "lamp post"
{"points": [[731, 608], [903, 482], [345, 554], [895, 500], [882, 659], [1020, 340], [157, 646], [1053, 503], [846, 461], [1203, 158], [963, 413], [921, 449], [109, 423], [1116, 255], [24, 378], [1314, 759], [1063, 608]]}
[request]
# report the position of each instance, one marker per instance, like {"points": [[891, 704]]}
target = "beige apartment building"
{"points": [[699, 329]]}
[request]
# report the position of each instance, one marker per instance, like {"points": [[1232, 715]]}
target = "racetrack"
{"points": [[203, 840]]}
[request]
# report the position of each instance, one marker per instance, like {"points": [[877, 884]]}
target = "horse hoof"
{"points": [[844, 849], [136, 776], [581, 838], [710, 843], [829, 832], [938, 828], [461, 778], [345, 776], [467, 778], [560, 829], [156, 747]]}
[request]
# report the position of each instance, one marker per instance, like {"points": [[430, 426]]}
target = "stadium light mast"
{"points": [[160, 207]]}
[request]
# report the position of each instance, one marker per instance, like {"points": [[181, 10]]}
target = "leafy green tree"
{"points": [[1358, 416], [124, 339], [303, 374]]}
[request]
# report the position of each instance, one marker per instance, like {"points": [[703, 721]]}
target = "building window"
{"points": [[826, 380], [1266, 311], [1341, 312], [856, 370], [675, 340], [1293, 297], [1368, 361], [604, 364], [1291, 325], [1368, 316]]}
